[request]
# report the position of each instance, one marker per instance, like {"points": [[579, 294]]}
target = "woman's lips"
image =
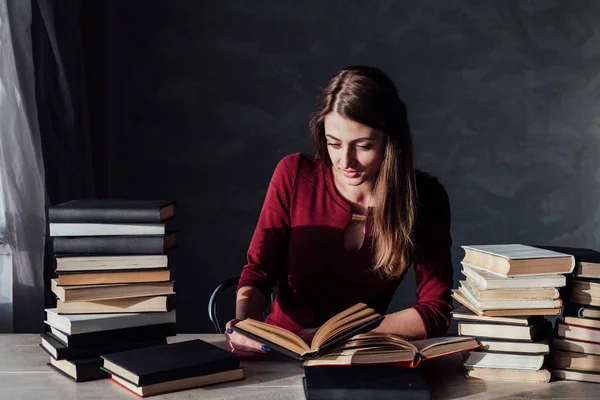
{"points": [[350, 173]]}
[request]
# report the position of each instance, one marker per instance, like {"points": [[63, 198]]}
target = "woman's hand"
{"points": [[240, 344], [307, 334]]}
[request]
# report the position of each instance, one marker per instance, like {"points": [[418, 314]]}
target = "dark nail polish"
{"points": [[229, 331], [264, 348]]}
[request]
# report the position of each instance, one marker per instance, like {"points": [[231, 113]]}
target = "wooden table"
{"points": [[25, 375]]}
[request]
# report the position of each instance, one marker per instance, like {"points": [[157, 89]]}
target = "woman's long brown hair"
{"points": [[368, 96]]}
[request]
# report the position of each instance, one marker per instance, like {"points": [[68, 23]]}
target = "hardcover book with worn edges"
{"points": [[63, 352], [169, 362], [134, 334], [118, 245], [112, 210], [86, 369], [360, 310]]}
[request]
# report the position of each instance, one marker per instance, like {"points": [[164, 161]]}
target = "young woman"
{"points": [[343, 227]]}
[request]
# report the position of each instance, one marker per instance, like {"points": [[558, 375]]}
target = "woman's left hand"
{"points": [[307, 334]]}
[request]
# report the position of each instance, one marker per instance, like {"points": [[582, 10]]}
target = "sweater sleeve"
{"points": [[433, 262], [266, 253]]}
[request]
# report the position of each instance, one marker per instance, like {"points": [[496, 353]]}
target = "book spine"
{"points": [[109, 245], [104, 215]]}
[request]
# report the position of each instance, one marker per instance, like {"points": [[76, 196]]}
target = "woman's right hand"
{"points": [[242, 345]]}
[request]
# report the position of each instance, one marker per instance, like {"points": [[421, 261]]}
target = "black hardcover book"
{"points": [[83, 370], [112, 211], [133, 244], [169, 362], [373, 382], [135, 334], [59, 351]]}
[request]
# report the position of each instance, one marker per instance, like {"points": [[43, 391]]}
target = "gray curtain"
{"points": [[22, 188]]}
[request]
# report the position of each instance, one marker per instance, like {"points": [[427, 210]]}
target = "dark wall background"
{"points": [[204, 97]]}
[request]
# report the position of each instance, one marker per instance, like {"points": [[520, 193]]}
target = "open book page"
{"points": [[377, 340], [275, 334], [435, 347], [357, 311], [351, 323]]}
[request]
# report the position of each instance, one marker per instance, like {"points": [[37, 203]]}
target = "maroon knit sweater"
{"points": [[298, 245]]}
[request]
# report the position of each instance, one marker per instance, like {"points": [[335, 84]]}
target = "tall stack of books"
{"points": [[576, 346], [113, 282], [507, 291]]}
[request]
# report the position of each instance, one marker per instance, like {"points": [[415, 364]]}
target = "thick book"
{"points": [[514, 375], [152, 365], [578, 332], [579, 376], [356, 319], [586, 322], [110, 291], [83, 370], [180, 384], [136, 333], [458, 296], [133, 244], [507, 304], [491, 345], [462, 313], [576, 346], [59, 351], [482, 359], [381, 348], [578, 361], [587, 261], [507, 332], [86, 229], [133, 304], [84, 323], [518, 259], [112, 211], [482, 294], [489, 280], [110, 263], [585, 292], [103, 278], [372, 382]]}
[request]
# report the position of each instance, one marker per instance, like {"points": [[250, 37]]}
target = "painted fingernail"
{"points": [[264, 348], [229, 331]]}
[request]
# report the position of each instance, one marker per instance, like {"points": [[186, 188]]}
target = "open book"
{"points": [[342, 341], [382, 348], [356, 319]]}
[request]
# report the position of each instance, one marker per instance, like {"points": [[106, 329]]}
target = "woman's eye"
{"points": [[334, 145], [364, 147]]}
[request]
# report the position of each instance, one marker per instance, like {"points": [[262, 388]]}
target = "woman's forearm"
{"points": [[250, 303], [406, 323]]}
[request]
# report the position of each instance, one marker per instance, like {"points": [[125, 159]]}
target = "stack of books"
{"points": [[507, 291], [576, 346], [113, 282]]}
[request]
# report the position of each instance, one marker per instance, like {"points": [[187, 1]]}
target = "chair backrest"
{"points": [[213, 301]]}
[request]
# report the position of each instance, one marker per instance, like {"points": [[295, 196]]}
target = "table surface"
{"points": [[24, 374]]}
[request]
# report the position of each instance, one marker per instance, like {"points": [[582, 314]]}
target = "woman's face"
{"points": [[355, 150]]}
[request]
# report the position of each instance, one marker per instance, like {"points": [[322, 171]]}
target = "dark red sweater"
{"points": [[298, 245]]}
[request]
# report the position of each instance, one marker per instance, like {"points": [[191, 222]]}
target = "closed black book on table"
{"points": [[165, 363], [112, 211], [373, 382], [59, 351], [113, 244]]}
